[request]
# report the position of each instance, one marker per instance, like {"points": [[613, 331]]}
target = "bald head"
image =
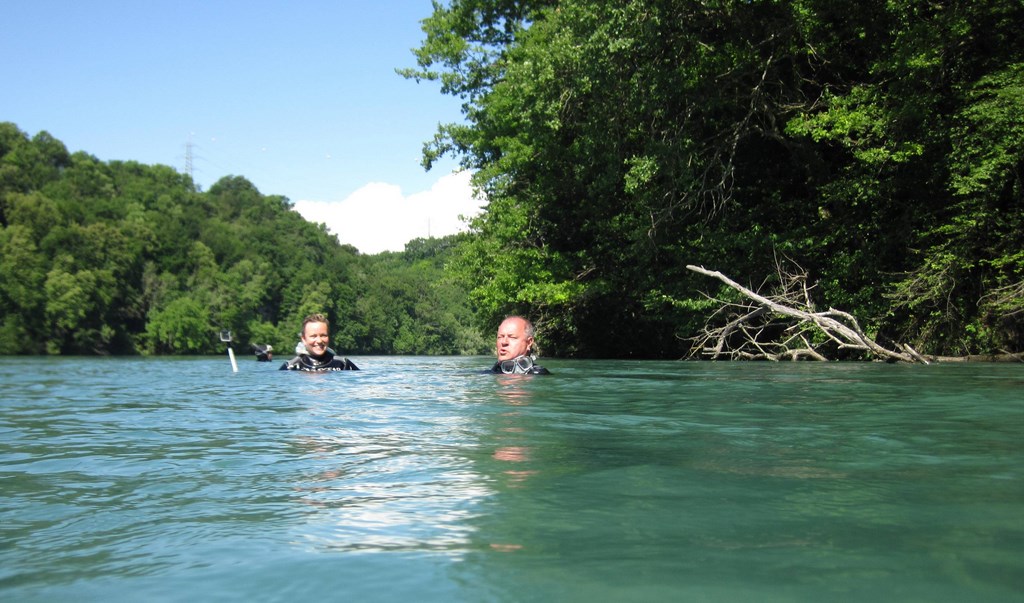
{"points": [[515, 337]]}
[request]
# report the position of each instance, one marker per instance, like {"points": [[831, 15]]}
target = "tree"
{"points": [[613, 139], [120, 257], [21, 290], [76, 300], [182, 327]]}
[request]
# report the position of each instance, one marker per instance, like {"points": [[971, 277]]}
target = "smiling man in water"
{"points": [[513, 348], [317, 357]]}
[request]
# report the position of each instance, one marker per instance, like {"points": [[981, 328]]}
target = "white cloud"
{"points": [[379, 217]]}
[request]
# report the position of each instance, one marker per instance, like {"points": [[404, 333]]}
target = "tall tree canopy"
{"points": [[877, 144], [121, 258]]}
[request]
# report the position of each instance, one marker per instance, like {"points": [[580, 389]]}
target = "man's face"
{"points": [[315, 338], [512, 340]]}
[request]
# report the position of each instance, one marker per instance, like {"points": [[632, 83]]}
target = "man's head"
{"points": [[264, 352], [315, 334], [515, 338]]}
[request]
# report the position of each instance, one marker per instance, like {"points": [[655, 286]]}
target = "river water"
{"points": [[156, 479]]}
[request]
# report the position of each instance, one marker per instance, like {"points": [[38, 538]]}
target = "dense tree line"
{"points": [[877, 144], [122, 258]]}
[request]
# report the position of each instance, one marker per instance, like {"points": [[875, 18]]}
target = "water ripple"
{"points": [[175, 479]]}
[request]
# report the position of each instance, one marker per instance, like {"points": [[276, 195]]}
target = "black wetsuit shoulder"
{"points": [[326, 363]]}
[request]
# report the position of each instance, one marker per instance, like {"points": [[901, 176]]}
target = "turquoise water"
{"points": [[420, 479]]}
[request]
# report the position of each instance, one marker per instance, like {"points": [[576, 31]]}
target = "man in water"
{"points": [[513, 348], [264, 353], [317, 357]]}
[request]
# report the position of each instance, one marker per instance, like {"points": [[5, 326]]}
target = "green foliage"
{"points": [[183, 327], [989, 133], [410, 305], [124, 258], [877, 144]]}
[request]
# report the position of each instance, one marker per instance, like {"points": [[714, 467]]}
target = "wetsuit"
{"points": [[322, 364], [521, 365]]}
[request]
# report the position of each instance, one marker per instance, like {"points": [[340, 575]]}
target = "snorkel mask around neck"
{"points": [[516, 366]]}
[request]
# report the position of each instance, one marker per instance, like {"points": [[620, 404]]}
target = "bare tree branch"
{"points": [[750, 333]]}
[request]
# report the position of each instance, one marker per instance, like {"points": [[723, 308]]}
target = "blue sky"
{"points": [[300, 97]]}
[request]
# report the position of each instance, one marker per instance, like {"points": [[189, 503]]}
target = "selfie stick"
{"points": [[225, 336]]}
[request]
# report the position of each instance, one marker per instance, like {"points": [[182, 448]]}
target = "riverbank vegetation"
{"points": [[877, 145], [123, 258]]}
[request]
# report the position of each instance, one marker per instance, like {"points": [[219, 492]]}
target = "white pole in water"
{"points": [[225, 336]]}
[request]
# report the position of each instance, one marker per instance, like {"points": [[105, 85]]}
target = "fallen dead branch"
{"points": [[786, 326]]}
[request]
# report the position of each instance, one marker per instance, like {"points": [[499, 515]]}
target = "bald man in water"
{"points": [[513, 348]]}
